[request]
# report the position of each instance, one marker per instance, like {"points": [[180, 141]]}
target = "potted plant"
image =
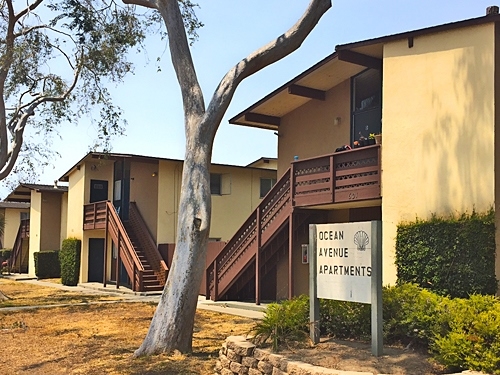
{"points": [[378, 138], [371, 139]]}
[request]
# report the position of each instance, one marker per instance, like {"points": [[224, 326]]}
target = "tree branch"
{"points": [[192, 96], [267, 55], [151, 4], [28, 9]]}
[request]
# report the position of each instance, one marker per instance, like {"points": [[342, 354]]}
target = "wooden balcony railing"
{"points": [[346, 176], [94, 215]]}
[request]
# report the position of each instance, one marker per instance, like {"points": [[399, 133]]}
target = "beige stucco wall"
{"points": [[310, 131], [35, 229], [12, 221], [144, 191], [230, 211], [76, 193], [169, 187], [50, 232], [64, 217], [438, 129]]}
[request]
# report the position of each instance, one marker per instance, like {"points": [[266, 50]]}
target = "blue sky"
{"points": [[233, 28]]}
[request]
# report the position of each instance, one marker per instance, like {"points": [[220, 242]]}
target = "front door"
{"points": [[96, 260], [98, 190]]}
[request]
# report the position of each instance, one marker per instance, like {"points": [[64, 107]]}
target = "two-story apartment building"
{"points": [[432, 93]]}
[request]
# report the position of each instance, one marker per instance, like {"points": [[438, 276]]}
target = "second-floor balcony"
{"points": [[347, 176]]}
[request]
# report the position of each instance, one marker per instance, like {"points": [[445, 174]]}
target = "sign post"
{"points": [[345, 264]]}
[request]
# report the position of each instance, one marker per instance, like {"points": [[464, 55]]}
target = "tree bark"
{"points": [[172, 324]]}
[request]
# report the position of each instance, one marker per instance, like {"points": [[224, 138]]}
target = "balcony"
{"points": [[94, 215], [347, 176]]}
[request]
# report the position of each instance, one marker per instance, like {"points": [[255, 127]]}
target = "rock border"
{"points": [[240, 356]]}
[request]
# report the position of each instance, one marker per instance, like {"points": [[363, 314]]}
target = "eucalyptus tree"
{"points": [[56, 58], [172, 324]]}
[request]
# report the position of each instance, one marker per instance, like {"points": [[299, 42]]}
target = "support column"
{"points": [[257, 259], [291, 244]]}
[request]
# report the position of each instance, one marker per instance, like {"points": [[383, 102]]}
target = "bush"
{"points": [[470, 334], [5, 255], [342, 319], [47, 264], [284, 323], [450, 256], [69, 257], [410, 315]]}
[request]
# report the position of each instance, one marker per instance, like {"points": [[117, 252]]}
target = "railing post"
{"points": [[118, 260], [104, 276], [257, 257], [332, 178], [290, 256], [292, 184], [216, 287], [207, 283]]}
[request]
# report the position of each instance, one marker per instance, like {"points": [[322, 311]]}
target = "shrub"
{"points": [[284, 323], [47, 264], [450, 256], [410, 314], [342, 319], [69, 257], [470, 334]]}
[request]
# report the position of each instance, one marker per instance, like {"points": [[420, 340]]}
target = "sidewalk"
{"points": [[243, 309]]}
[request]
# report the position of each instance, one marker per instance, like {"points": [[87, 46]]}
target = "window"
{"points": [[366, 104], [220, 184], [215, 183], [266, 184], [25, 215]]}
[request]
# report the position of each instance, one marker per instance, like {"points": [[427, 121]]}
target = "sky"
{"points": [[151, 100]]}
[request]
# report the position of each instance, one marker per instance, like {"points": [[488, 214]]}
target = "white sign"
{"points": [[343, 261]]}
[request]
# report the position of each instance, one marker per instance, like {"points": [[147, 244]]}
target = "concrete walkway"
{"points": [[243, 309]]}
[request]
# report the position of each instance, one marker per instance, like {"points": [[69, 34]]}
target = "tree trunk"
{"points": [[172, 324]]}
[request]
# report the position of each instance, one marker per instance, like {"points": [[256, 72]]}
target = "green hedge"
{"points": [[47, 264], [450, 256], [69, 257], [5, 254]]}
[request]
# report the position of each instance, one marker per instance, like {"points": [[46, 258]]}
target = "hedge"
{"points": [[450, 256], [69, 257], [47, 264]]}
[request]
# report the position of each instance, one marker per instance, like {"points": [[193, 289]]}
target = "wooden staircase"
{"points": [[269, 232], [18, 261], [136, 247], [150, 280]]}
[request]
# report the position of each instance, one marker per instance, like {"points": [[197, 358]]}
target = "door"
{"points": [[96, 260], [121, 188], [98, 190]]}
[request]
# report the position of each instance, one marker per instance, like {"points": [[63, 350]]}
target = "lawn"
{"points": [[100, 338]]}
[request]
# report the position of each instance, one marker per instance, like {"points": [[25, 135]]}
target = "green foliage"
{"points": [[450, 256], [410, 314], [47, 264], [69, 257], [344, 319], [284, 323], [5, 254], [470, 334]]}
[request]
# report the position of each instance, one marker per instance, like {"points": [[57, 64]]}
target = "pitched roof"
{"points": [[347, 61], [22, 193]]}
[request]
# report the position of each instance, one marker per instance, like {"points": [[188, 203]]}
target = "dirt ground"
{"points": [[101, 338]]}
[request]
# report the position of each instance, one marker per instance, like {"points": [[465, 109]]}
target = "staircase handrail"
{"points": [[17, 248], [129, 257], [150, 248], [248, 231]]}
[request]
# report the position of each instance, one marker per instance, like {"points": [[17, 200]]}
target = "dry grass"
{"points": [[24, 294], [100, 339]]}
